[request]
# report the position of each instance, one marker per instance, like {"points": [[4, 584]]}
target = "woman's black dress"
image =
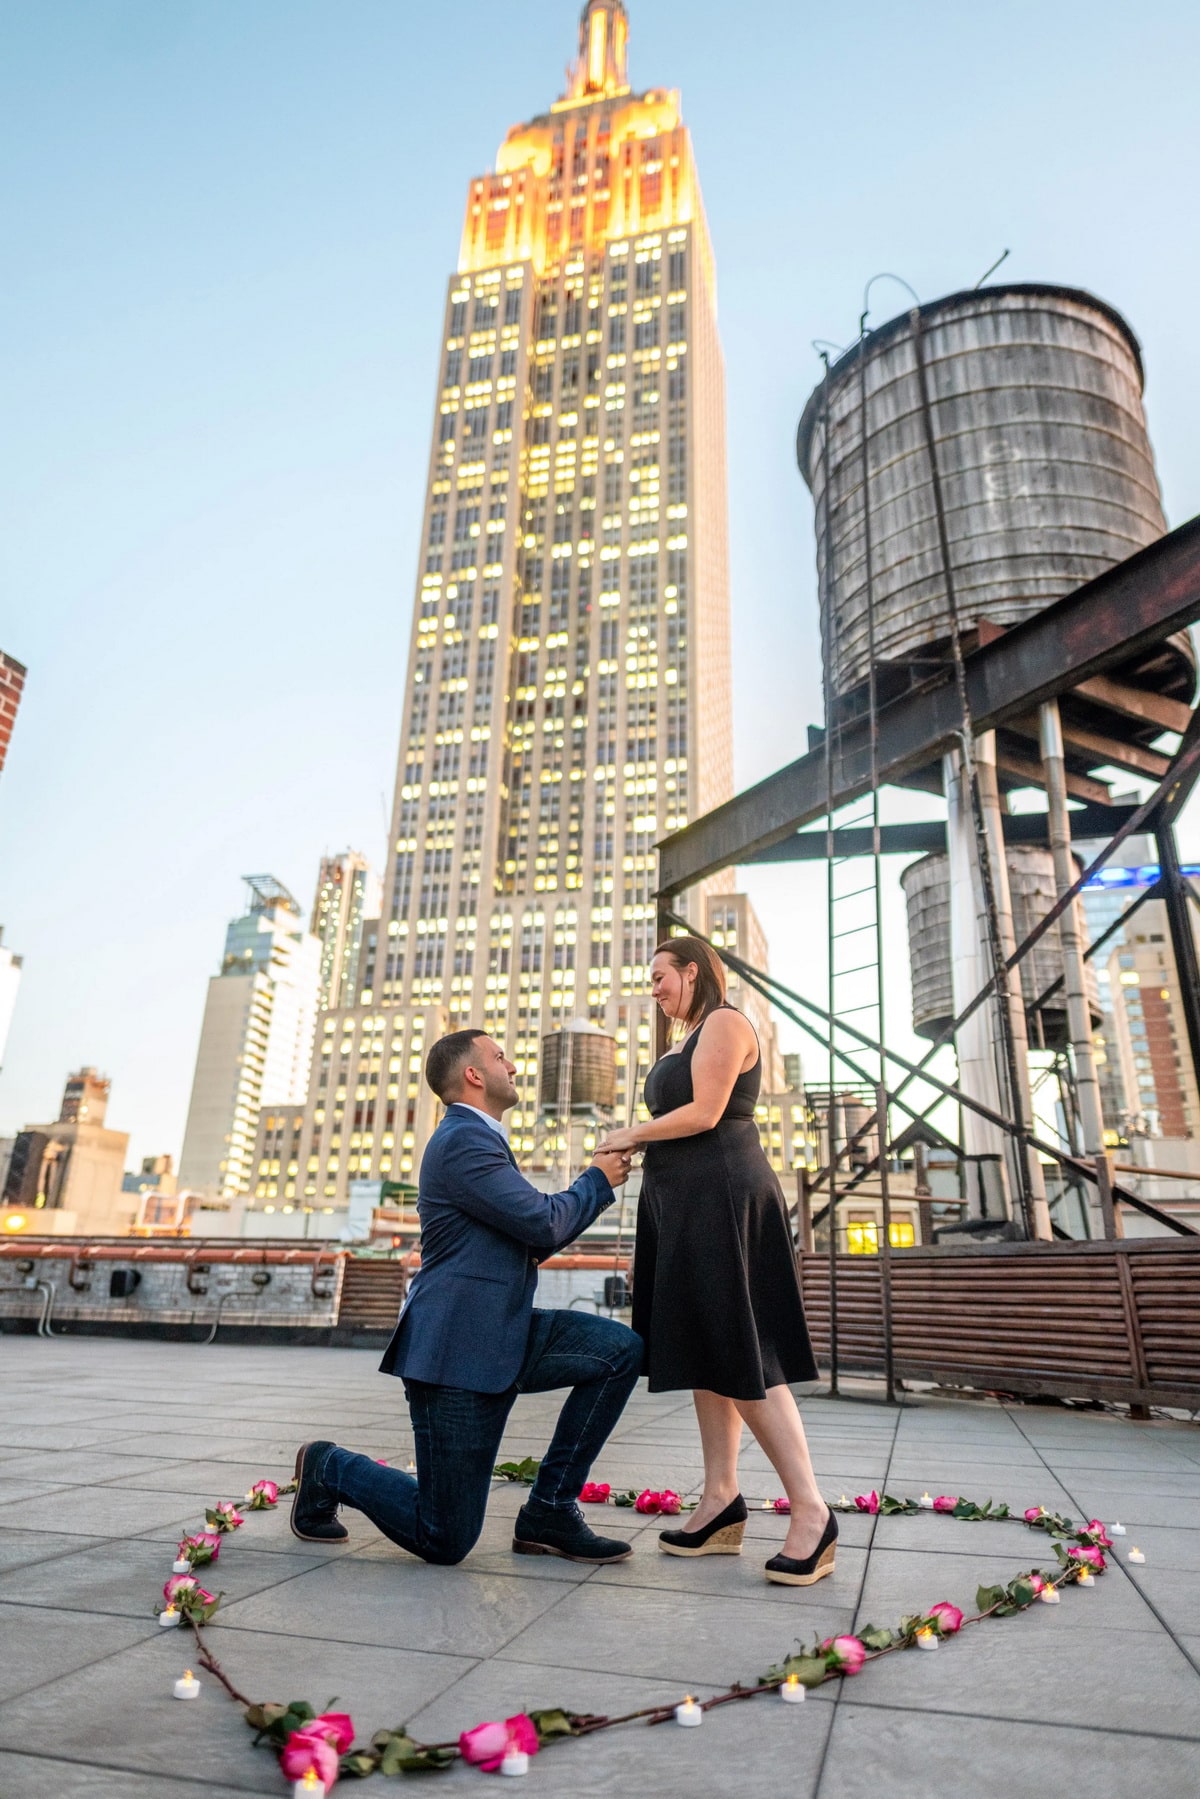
{"points": [[716, 1291]]}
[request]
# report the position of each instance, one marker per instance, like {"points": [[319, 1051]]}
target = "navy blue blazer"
{"points": [[466, 1317]]}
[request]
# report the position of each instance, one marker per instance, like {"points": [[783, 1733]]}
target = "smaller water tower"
{"points": [[577, 1093]]}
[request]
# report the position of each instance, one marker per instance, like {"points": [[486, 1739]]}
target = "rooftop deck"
{"points": [[108, 1449]]}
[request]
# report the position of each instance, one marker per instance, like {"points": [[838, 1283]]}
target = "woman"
{"points": [[716, 1291]]}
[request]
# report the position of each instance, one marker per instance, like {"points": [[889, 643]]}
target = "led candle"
{"points": [[1116, 1530], [310, 1786], [792, 1690], [516, 1761], [1135, 1555], [689, 1712], [1049, 1595], [767, 1506], [926, 1502], [169, 1617], [927, 1639], [1087, 1579], [188, 1687], [181, 1565]]}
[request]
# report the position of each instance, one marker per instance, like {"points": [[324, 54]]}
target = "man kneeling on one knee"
{"points": [[469, 1340]]}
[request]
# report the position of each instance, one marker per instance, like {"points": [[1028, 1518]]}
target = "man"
{"points": [[469, 1340]]}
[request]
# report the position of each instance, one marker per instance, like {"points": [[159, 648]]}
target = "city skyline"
{"points": [[287, 484]]}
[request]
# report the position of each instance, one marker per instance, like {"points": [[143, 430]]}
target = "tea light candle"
{"points": [[792, 1690], [516, 1761], [767, 1505], [927, 1639], [926, 1502], [1116, 1530], [1086, 1579], [689, 1712], [309, 1785], [170, 1617], [188, 1687], [1135, 1555], [1049, 1596], [181, 1565], [412, 1468]]}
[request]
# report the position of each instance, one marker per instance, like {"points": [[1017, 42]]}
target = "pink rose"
{"points": [[208, 1541], [669, 1502], [229, 1512], [1095, 1532], [485, 1746], [180, 1586], [947, 1617], [595, 1492], [847, 1652], [783, 1505], [1089, 1554], [303, 1752], [647, 1502], [867, 1502], [1033, 1513], [268, 1489], [945, 1502], [1036, 1582]]}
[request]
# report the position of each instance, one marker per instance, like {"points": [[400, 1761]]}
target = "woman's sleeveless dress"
{"points": [[716, 1291]]}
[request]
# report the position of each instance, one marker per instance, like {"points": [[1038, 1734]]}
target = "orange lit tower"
{"points": [[568, 697]]}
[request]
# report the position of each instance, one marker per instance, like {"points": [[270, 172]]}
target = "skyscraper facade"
{"points": [[256, 1041], [568, 695], [347, 895]]}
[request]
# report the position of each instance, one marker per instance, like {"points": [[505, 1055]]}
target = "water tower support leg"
{"points": [[1079, 1023], [989, 793], [1183, 941]]}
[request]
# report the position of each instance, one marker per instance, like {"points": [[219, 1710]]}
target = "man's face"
{"points": [[495, 1073]]}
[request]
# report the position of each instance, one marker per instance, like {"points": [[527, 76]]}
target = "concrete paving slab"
{"points": [[100, 1511], [403, 1604], [120, 1711], [736, 1577], [25, 1548], [42, 1644], [927, 1752], [126, 1578], [900, 1583], [1148, 1686], [685, 1637], [33, 1776]]}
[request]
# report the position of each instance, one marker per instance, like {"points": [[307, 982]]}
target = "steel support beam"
{"points": [[926, 835], [1098, 627]]}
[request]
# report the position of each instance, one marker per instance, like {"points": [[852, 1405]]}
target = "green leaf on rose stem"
{"points": [[876, 1637], [262, 1717], [397, 1749], [552, 1722], [966, 1508], [1063, 1557], [359, 1763], [626, 1499], [987, 1597], [810, 1670], [1021, 1591], [524, 1471]]}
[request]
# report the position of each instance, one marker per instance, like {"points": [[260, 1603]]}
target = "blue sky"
{"points": [[228, 225]]}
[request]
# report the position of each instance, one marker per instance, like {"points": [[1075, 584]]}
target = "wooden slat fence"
{"points": [[1092, 1320]]}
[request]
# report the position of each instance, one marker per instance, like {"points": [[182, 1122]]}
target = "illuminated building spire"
{"points": [[603, 41]]}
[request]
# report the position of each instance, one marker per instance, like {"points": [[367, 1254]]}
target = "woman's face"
{"points": [[672, 987]]}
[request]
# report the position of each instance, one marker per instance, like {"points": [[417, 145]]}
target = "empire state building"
{"points": [[568, 691]]}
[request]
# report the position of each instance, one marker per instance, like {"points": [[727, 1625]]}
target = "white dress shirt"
{"points": [[495, 1123]]}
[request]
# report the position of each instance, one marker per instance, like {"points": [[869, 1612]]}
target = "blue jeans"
{"points": [[439, 1514]]}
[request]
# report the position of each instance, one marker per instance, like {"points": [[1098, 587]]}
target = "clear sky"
{"points": [[228, 226]]}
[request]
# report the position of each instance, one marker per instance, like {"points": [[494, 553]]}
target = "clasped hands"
{"points": [[615, 1155]]}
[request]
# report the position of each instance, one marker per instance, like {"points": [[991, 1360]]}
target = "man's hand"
{"points": [[613, 1165], [624, 1142]]}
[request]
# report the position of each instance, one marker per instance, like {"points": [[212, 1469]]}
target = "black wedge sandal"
{"points": [[721, 1536], [805, 1571]]}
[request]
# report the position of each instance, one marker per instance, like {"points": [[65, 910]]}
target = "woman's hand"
{"points": [[624, 1141]]}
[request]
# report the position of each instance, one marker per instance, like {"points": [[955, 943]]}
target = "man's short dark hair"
{"points": [[446, 1061]]}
